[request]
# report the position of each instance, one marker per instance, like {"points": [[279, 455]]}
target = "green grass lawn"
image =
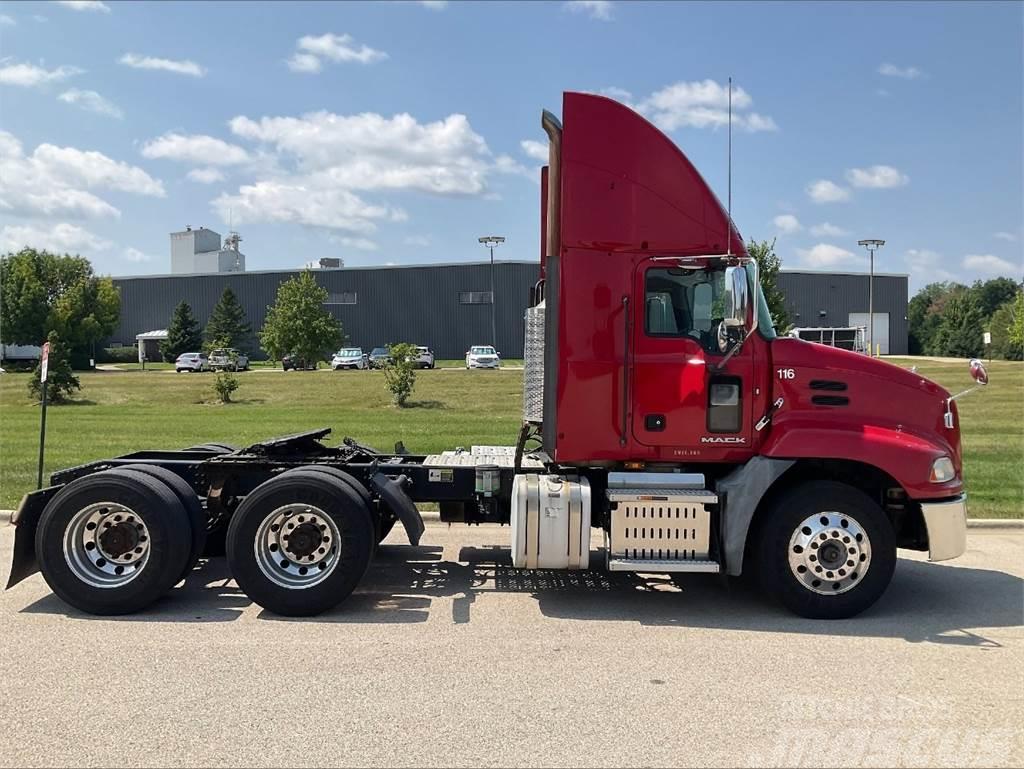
{"points": [[119, 412]]}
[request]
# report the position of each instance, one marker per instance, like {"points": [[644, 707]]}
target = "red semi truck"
{"points": [[659, 406]]}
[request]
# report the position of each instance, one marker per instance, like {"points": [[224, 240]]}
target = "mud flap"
{"points": [[25, 521], [392, 493]]}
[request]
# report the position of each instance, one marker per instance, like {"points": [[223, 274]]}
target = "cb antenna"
{"points": [[729, 184]]}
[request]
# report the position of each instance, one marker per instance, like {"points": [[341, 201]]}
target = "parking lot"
{"points": [[447, 655]]}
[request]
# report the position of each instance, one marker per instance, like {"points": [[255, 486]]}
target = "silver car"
{"points": [[192, 361], [229, 359], [483, 356]]}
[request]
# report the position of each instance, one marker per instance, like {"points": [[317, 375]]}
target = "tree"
{"points": [[399, 374], [1007, 329], [922, 321], [60, 379], [768, 266], [42, 292], [225, 384], [227, 325], [298, 323], [183, 334], [959, 334], [993, 294]]}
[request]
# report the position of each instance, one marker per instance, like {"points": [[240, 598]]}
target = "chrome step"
{"points": [[649, 565]]}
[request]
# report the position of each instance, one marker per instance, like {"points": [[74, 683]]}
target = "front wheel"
{"points": [[826, 550]]}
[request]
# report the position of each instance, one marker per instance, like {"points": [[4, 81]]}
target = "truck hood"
{"points": [[830, 386]]}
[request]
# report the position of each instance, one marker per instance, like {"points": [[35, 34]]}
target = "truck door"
{"points": [[678, 402]]}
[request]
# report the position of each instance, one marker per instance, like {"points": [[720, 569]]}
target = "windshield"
{"points": [[350, 353], [765, 325], [379, 351], [482, 351]]}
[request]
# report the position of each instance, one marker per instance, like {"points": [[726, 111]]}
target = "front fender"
{"points": [[906, 457]]}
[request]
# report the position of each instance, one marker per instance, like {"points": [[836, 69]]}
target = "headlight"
{"points": [[942, 470]]}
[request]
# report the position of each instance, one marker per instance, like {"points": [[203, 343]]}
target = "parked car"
{"points": [[379, 356], [229, 359], [424, 357], [483, 356], [292, 362], [350, 357], [192, 361]]}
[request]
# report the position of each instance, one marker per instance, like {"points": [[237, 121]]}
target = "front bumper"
{"points": [[484, 364], [946, 523]]}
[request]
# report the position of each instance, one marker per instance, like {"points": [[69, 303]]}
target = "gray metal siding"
{"points": [[808, 293], [414, 304]]}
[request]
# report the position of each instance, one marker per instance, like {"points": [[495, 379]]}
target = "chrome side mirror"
{"points": [[736, 298], [978, 372]]}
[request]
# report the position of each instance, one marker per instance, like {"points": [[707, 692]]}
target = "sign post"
{"points": [[44, 366], [986, 337]]}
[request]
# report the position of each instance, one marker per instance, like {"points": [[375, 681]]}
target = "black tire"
{"points": [[382, 524], [781, 524], [149, 499], [332, 498], [190, 501]]}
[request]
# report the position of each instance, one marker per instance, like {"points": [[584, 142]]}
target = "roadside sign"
{"points": [[987, 337], [45, 362]]}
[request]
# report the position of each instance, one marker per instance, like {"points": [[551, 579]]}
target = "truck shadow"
{"points": [[926, 602]]}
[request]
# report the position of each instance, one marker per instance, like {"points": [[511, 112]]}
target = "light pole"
{"points": [[490, 241], [871, 244]]}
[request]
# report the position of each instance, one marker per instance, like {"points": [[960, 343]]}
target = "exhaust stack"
{"points": [[553, 128]]}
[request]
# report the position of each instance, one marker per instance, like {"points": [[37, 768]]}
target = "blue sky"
{"points": [[394, 132]]}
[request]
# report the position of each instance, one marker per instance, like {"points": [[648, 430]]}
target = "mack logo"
{"points": [[722, 439]]}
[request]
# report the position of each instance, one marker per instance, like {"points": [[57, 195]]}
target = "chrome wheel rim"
{"points": [[106, 545], [297, 546], [829, 553]]}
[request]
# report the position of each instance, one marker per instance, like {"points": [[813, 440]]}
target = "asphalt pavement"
{"points": [[449, 656]]}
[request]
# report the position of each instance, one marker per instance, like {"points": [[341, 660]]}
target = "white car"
{"points": [[192, 361], [424, 358], [483, 356], [349, 357]]}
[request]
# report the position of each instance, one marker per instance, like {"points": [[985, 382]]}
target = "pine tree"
{"points": [[60, 379], [183, 334], [768, 266], [227, 323]]}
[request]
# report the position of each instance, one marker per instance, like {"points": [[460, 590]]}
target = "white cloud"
{"points": [[876, 177], [6, 21], [85, 5], [177, 66], [195, 148], [205, 175], [338, 48], [534, 149], [991, 265], [434, 5], [505, 164], [1009, 237], [56, 180], [29, 75], [907, 73], [61, 238], [697, 104], [826, 230], [926, 265], [825, 191], [595, 9], [135, 256], [825, 255], [362, 244], [787, 224], [370, 151], [421, 241], [91, 101]]}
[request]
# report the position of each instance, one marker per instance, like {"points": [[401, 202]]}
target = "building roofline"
{"points": [[294, 270], [845, 272]]}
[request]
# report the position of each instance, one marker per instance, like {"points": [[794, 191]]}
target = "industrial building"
{"points": [[447, 306], [200, 250]]}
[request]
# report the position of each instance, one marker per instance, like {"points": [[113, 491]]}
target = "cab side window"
{"points": [[683, 303]]}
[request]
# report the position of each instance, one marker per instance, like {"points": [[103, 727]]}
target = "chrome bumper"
{"points": [[946, 523]]}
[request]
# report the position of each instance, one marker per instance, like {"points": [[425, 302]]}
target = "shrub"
{"points": [[225, 384], [399, 374], [118, 355]]}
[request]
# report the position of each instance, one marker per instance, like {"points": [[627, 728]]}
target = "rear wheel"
{"points": [[300, 543], [113, 542], [826, 550]]}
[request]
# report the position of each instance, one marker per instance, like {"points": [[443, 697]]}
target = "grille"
{"points": [[533, 375], [652, 526]]}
